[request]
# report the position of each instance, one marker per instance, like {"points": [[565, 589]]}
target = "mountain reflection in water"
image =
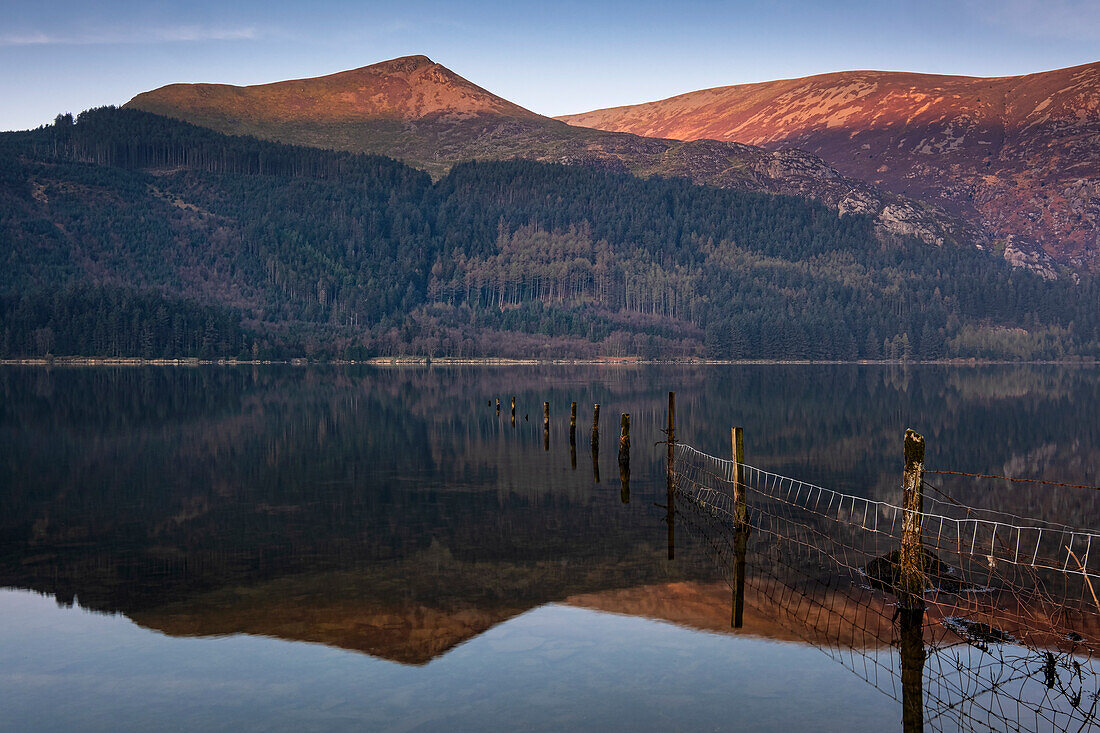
{"points": [[390, 511]]}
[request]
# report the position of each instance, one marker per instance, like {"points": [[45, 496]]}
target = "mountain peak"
{"points": [[406, 88]]}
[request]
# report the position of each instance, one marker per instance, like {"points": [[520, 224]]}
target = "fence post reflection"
{"points": [[911, 626]]}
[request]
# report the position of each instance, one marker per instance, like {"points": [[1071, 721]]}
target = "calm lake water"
{"points": [[377, 549]]}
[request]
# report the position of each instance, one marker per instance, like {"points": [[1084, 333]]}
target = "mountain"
{"points": [[1018, 156], [418, 111], [409, 88]]}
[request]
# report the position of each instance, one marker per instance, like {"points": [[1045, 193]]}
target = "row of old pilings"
{"points": [[624, 440]]}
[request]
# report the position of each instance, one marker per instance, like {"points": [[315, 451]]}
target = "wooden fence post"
{"points": [[624, 457], [670, 489], [624, 435], [596, 442], [741, 525], [498, 407], [573, 423], [513, 411], [911, 584], [740, 504], [595, 427]]}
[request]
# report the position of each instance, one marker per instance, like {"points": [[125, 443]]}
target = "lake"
{"points": [[377, 548]]}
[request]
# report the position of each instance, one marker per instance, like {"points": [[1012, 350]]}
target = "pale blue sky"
{"points": [[553, 58]]}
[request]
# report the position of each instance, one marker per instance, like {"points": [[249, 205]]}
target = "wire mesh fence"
{"points": [[1008, 635]]}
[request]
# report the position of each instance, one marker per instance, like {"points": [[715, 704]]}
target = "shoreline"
{"points": [[93, 361]]}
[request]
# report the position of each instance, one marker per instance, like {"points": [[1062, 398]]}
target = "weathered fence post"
{"points": [[546, 425], [595, 427], [911, 584], [624, 438], [513, 411], [596, 442], [498, 407], [624, 457], [740, 505], [670, 490], [573, 435], [741, 524]]}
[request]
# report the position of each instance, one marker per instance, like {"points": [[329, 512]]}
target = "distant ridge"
{"points": [[1018, 156]]}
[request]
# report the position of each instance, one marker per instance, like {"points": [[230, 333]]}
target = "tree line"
{"points": [[312, 252]]}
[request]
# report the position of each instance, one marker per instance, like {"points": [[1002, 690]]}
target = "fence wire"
{"points": [[1011, 623]]}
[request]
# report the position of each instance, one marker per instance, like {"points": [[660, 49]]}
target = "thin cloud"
{"points": [[167, 34], [26, 39], [1071, 20], [198, 33]]}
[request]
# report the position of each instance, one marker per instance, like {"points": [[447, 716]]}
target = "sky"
{"points": [[551, 57]]}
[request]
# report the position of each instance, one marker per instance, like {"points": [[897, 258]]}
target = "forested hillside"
{"points": [[173, 240]]}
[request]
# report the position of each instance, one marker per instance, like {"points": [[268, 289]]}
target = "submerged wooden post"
{"points": [[911, 584], [498, 407], [513, 411], [595, 427], [624, 437], [741, 524], [546, 425], [624, 457], [670, 489], [573, 435]]}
